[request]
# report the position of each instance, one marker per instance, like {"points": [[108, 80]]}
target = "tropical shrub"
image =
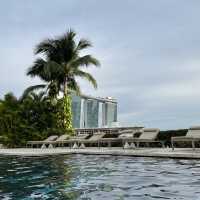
{"points": [[33, 118]]}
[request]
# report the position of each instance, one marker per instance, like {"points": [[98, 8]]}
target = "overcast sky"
{"points": [[149, 52]]}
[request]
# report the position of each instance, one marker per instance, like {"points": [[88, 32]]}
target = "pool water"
{"points": [[98, 177]]}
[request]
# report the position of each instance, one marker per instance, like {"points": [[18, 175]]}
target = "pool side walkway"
{"points": [[142, 152]]}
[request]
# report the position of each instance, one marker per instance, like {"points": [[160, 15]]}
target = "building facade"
{"points": [[90, 112]]}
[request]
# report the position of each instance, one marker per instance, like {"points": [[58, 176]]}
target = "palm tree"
{"points": [[60, 65]]}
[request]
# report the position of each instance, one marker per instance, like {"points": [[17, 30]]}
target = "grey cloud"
{"points": [[149, 52]]}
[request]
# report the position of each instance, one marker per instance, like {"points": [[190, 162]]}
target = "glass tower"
{"points": [[76, 111], [110, 113], [90, 112]]}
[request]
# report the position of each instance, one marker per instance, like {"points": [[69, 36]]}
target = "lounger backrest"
{"points": [[97, 136], [51, 138], [194, 132], [149, 133], [63, 137], [126, 131], [82, 136]]}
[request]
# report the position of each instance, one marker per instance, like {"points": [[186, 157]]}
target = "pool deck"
{"points": [[139, 152]]}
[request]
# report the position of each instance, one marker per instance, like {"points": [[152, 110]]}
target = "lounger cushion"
{"points": [[63, 137], [149, 134], [126, 131], [51, 138], [47, 140], [194, 132], [126, 135]]}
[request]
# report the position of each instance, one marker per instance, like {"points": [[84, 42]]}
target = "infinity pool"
{"points": [[98, 177]]}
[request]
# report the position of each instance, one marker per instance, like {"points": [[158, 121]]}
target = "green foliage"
{"points": [[64, 115], [67, 104], [34, 118], [166, 135]]}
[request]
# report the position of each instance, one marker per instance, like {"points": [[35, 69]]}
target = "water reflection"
{"points": [[32, 178], [98, 177]]}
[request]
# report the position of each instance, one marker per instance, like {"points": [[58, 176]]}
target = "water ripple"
{"points": [[98, 177]]}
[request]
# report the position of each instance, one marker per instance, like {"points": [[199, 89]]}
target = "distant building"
{"points": [[90, 112]]}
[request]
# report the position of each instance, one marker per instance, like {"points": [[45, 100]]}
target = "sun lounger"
{"points": [[76, 139], [193, 135], [59, 141], [123, 135], [94, 139], [66, 139], [148, 135], [37, 143]]}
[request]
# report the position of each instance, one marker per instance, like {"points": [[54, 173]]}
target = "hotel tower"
{"points": [[91, 112]]}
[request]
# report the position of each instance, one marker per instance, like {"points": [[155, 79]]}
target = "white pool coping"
{"points": [[186, 153]]}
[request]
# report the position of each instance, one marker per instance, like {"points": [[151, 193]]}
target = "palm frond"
{"points": [[85, 61], [87, 76], [70, 35], [46, 46], [37, 69], [31, 89], [37, 97], [66, 46], [53, 70], [83, 44], [74, 86], [41, 95]]}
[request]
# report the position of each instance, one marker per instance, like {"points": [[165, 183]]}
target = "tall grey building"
{"points": [[90, 112]]}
